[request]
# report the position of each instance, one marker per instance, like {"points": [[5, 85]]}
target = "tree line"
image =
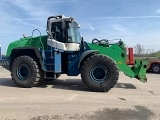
{"points": [[140, 51]]}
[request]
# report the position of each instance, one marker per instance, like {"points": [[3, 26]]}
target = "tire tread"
{"points": [[37, 71], [101, 88]]}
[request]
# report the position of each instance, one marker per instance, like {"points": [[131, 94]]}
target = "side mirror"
{"points": [[82, 39], [82, 46]]}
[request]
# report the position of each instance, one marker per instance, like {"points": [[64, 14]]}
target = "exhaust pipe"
{"points": [[130, 57]]}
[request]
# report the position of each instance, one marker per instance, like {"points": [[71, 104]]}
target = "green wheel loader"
{"points": [[63, 51]]}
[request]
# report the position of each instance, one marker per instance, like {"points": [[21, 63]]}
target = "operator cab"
{"points": [[63, 33]]}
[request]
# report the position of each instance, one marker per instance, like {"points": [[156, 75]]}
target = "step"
{"points": [[49, 67], [48, 60], [49, 64], [50, 78], [47, 53], [49, 75], [49, 70]]}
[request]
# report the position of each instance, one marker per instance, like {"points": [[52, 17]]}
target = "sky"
{"points": [[133, 21]]}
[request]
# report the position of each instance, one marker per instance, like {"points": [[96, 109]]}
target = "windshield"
{"points": [[73, 33]]}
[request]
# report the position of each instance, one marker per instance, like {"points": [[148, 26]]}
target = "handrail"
{"points": [[39, 38]]}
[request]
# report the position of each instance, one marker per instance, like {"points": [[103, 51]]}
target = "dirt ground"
{"points": [[69, 99]]}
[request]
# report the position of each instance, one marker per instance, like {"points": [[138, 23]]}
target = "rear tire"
{"points": [[99, 73], [25, 72], [156, 68]]}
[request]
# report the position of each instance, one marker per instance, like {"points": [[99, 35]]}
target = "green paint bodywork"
{"points": [[118, 53], [40, 42]]}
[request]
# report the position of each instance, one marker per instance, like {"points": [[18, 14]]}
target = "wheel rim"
{"points": [[99, 73], [156, 69], [23, 72]]}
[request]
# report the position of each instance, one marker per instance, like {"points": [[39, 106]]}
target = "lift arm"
{"points": [[118, 53]]}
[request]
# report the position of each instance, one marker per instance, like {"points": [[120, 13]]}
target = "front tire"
{"points": [[25, 72], [99, 73]]}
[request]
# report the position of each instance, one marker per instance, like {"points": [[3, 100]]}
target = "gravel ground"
{"points": [[69, 99]]}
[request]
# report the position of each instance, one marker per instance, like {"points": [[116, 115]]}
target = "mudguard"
{"points": [[26, 51], [85, 54]]}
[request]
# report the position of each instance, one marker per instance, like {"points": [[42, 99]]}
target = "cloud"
{"points": [[59, 1], [158, 11], [31, 9], [119, 28], [127, 17], [20, 17], [12, 25], [88, 26], [24, 14], [92, 28]]}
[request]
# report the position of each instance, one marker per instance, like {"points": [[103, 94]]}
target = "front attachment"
{"points": [[139, 69]]}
